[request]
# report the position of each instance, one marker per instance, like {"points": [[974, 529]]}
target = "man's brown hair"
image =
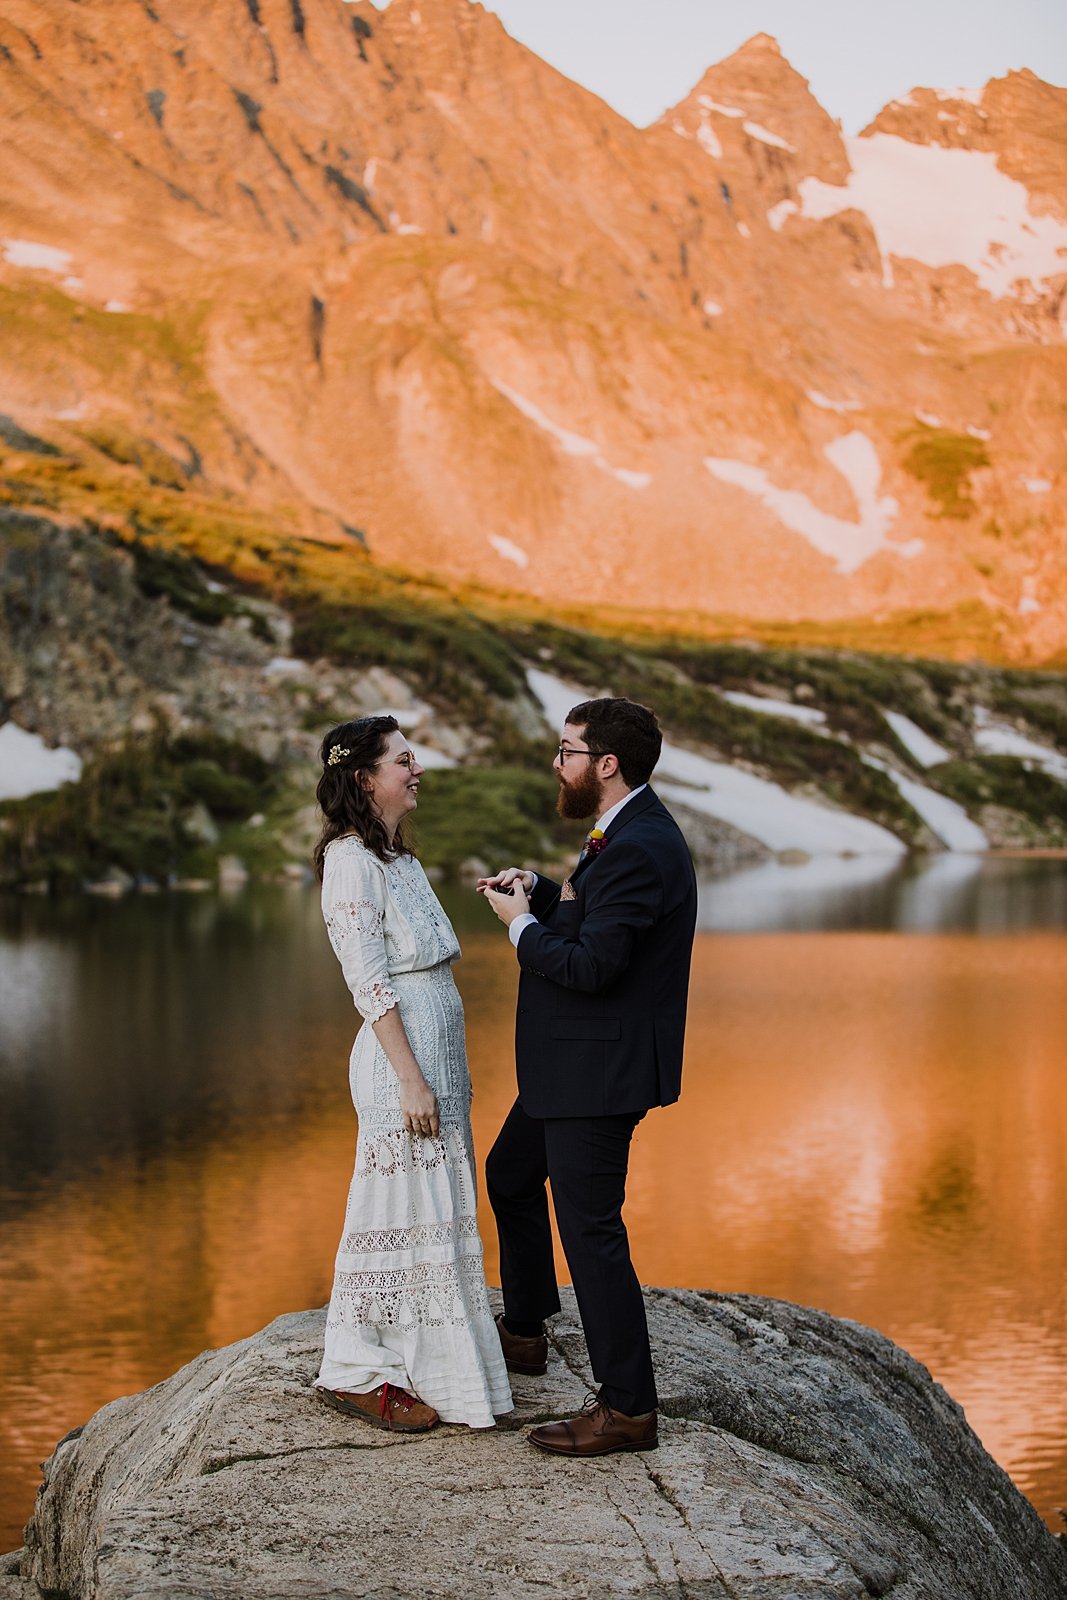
{"points": [[624, 729]]}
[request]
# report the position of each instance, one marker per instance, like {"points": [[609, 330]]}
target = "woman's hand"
{"points": [[418, 1103], [419, 1108], [505, 879]]}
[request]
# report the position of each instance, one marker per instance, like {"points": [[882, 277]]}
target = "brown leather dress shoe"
{"points": [[523, 1355], [384, 1407], [598, 1431]]}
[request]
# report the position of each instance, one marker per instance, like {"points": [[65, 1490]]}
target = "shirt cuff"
{"points": [[515, 930]]}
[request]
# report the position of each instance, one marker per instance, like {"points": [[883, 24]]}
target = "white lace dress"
{"points": [[409, 1303]]}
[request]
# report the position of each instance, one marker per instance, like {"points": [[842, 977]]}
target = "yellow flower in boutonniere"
{"points": [[595, 842]]}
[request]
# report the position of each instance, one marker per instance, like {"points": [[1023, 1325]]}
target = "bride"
{"points": [[410, 1339]]}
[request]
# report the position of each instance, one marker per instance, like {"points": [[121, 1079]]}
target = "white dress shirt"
{"points": [[515, 930]]}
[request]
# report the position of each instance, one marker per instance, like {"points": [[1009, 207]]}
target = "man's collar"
{"points": [[605, 821]]}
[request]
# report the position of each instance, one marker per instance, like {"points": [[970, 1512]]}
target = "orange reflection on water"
{"points": [[870, 1123]]}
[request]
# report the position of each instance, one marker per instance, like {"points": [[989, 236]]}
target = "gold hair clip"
{"points": [[336, 756]]}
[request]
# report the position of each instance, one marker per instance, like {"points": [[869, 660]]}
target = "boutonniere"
{"points": [[595, 842]]}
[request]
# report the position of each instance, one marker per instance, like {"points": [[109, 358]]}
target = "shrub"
{"points": [[504, 815], [456, 660], [1007, 782], [127, 810], [181, 581], [942, 461]]}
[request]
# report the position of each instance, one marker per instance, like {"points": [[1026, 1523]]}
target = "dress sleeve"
{"points": [[353, 905]]}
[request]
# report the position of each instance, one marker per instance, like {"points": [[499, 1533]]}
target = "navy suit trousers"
{"points": [[585, 1160]]}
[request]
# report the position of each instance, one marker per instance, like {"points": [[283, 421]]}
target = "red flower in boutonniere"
{"points": [[595, 842]]}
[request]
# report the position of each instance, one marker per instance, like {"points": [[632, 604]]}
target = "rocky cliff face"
{"points": [[799, 1456], [388, 272]]}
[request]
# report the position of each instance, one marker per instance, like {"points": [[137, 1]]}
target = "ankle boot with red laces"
{"points": [[385, 1407]]}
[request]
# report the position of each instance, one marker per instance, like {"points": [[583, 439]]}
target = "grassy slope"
{"points": [[465, 651]]}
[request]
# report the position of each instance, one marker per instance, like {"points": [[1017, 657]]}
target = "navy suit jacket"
{"points": [[605, 977]]}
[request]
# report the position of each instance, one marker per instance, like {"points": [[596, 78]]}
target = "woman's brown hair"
{"points": [[348, 749]]}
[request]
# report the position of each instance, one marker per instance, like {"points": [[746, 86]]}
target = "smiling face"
{"points": [[393, 784]]}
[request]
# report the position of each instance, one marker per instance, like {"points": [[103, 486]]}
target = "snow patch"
{"points": [[707, 139], [778, 215], [919, 745], [945, 818], [979, 433], [944, 208], [433, 760], [973, 97], [1028, 605], [712, 308], [118, 306], [509, 551], [42, 257], [849, 544], [680, 129], [1001, 739], [756, 130], [928, 419], [28, 766], [369, 172], [826, 404], [713, 105], [759, 808], [572, 444], [1036, 485], [811, 715], [286, 667], [744, 230]]}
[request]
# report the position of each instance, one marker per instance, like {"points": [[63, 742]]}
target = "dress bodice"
{"points": [[383, 919]]}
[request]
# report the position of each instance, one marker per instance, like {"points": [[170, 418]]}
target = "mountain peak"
{"points": [[763, 42]]}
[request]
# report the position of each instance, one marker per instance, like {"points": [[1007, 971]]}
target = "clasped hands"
{"points": [[508, 893]]}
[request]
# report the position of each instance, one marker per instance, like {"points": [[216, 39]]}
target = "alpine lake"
{"points": [[873, 1121]]}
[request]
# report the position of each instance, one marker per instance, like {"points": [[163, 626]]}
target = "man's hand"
{"points": [[507, 905], [505, 879]]}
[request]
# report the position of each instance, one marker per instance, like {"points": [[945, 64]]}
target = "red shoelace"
{"points": [[393, 1395]]}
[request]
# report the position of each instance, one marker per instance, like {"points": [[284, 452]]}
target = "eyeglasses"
{"points": [[408, 759], [565, 751]]}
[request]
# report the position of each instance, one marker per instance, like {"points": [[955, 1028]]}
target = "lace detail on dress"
{"points": [[353, 916], [375, 999], [430, 1294], [423, 1233], [396, 1152], [374, 1120], [421, 909]]}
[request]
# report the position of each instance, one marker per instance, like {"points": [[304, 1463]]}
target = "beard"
{"points": [[581, 798]]}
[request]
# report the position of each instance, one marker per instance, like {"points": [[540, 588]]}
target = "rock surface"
{"points": [[800, 1456]]}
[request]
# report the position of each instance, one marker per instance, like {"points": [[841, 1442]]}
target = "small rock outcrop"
{"points": [[800, 1456]]}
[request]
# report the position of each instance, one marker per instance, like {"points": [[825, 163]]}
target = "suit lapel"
{"points": [[633, 808]]}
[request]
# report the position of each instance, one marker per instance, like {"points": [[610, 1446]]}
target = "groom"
{"points": [[604, 962]]}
